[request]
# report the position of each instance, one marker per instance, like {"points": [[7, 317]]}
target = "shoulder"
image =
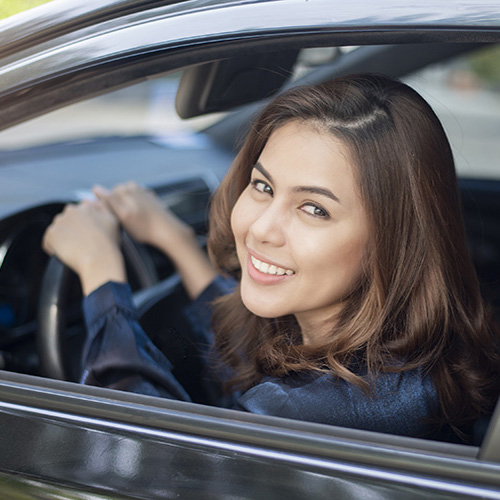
{"points": [[398, 403]]}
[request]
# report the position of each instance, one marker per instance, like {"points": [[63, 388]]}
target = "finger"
{"points": [[47, 247], [131, 186], [100, 192], [67, 208], [122, 201], [109, 200]]}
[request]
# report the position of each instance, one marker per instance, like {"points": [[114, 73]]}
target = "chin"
{"points": [[261, 309]]}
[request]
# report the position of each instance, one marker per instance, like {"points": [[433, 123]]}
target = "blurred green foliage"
{"points": [[11, 7], [485, 64]]}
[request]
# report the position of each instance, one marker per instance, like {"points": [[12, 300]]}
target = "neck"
{"points": [[315, 332]]}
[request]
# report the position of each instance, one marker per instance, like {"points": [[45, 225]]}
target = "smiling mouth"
{"points": [[266, 268]]}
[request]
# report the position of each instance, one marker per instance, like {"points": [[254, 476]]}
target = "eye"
{"points": [[315, 210], [262, 187]]}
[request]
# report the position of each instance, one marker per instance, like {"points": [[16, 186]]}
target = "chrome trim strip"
{"points": [[413, 456], [407, 477]]}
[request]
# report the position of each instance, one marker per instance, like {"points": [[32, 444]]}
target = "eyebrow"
{"points": [[300, 189]]}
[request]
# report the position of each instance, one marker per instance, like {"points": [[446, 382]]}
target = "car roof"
{"points": [[62, 17]]}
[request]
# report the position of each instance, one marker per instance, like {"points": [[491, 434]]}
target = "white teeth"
{"points": [[266, 268]]}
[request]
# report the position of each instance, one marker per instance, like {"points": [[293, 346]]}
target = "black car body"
{"points": [[59, 439]]}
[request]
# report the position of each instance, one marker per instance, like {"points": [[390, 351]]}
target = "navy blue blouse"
{"points": [[118, 354]]}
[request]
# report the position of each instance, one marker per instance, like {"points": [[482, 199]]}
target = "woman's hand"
{"points": [[86, 238], [144, 217]]}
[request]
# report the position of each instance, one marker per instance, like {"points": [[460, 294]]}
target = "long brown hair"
{"points": [[419, 303]]}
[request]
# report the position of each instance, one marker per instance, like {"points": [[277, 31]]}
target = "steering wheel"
{"points": [[57, 283]]}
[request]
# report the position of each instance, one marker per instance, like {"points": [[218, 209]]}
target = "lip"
{"points": [[261, 278]]}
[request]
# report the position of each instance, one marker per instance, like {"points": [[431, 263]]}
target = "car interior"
{"points": [[184, 160]]}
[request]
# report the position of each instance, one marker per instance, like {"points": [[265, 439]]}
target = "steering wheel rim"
{"points": [[54, 292]]}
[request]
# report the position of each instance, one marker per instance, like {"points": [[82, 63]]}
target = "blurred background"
{"points": [[11, 7]]}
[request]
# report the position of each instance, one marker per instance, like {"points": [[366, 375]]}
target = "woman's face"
{"points": [[300, 228]]}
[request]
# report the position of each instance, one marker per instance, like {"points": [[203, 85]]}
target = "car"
{"points": [[87, 93]]}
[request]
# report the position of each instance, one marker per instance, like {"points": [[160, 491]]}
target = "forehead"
{"points": [[305, 154], [307, 140]]}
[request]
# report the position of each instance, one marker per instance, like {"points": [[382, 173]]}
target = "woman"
{"points": [[356, 304]]}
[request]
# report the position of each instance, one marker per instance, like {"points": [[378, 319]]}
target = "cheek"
{"points": [[353, 259], [342, 256], [239, 216]]}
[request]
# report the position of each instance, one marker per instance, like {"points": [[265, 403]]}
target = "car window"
{"points": [[465, 93], [146, 108]]}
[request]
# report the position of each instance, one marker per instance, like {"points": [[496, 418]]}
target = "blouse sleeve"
{"points": [[117, 353]]}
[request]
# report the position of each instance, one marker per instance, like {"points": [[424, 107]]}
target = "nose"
{"points": [[269, 225]]}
